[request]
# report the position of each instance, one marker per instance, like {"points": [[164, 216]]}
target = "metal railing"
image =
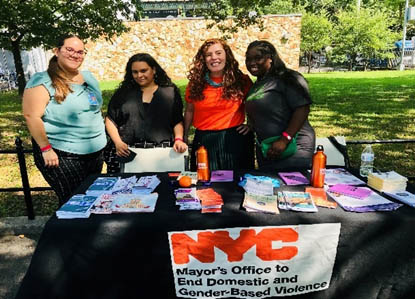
{"points": [[20, 151]]}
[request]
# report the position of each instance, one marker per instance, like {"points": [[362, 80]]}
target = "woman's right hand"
{"points": [[50, 158], [122, 149]]}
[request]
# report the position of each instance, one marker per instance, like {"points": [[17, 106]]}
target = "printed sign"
{"points": [[253, 262]]}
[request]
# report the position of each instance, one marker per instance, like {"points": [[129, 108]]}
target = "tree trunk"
{"points": [[21, 81], [309, 57]]}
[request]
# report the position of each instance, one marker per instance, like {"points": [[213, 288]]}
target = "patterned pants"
{"points": [[110, 158], [72, 171]]}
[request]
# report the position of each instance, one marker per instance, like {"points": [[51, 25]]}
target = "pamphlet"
{"points": [[293, 178], [319, 197], [403, 196], [146, 185], [261, 203], [133, 203], [299, 201], [103, 204], [211, 201], [187, 199], [221, 176], [353, 191], [335, 176], [373, 202], [102, 185], [78, 206]]}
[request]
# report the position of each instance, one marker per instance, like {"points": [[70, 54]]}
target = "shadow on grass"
{"points": [[12, 204]]}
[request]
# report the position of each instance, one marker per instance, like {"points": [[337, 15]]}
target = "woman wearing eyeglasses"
{"points": [[62, 108]]}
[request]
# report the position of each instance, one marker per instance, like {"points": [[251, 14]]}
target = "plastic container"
{"points": [[367, 161], [202, 160], [318, 170]]}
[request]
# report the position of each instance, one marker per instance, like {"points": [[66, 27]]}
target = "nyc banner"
{"points": [[253, 262]]}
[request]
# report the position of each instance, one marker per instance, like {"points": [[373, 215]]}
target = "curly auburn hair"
{"points": [[233, 80]]}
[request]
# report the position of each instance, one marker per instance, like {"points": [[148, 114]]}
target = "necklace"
{"points": [[211, 82]]}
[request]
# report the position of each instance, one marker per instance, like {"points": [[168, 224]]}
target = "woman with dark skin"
{"points": [[146, 110], [278, 105]]}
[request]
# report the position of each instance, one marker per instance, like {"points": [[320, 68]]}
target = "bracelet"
{"points": [[178, 138], [46, 148], [287, 136]]}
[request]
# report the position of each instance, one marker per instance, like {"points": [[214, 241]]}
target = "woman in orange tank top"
{"points": [[215, 99]]}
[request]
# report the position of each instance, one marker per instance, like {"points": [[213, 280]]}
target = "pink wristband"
{"points": [[178, 138], [287, 136], [46, 148]]}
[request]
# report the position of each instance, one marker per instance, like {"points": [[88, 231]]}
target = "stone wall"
{"points": [[174, 42]]}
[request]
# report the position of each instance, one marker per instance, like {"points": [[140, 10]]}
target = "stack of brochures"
{"points": [[387, 181], [103, 204], [146, 185], [221, 176], [403, 196], [296, 201], [370, 203], [78, 206], [260, 203], [319, 197], [186, 199], [124, 185], [134, 203], [259, 185], [293, 178], [102, 185], [335, 176], [212, 202]]}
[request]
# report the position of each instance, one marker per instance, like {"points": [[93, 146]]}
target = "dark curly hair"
{"points": [[160, 78], [233, 80], [278, 67]]}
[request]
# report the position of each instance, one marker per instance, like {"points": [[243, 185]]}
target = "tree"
{"points": [[362, 34], [33, 23], [315, 35]]}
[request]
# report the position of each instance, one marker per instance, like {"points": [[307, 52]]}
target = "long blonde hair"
{"points": [[59, 79]]}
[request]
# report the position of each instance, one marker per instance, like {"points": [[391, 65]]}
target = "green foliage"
{"points": [[362, 34], [315, 34], [36, 23], [27, 24], [279, 7]]}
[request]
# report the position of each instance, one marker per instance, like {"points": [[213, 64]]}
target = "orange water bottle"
{"points": [[202, 161], [318, 170]]}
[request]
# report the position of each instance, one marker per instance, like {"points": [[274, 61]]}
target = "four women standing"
{"points": [[62, 108]]}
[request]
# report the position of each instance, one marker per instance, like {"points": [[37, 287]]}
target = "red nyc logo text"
{"points": [[203, 248]]}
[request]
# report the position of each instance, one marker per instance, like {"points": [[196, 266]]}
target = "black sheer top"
{"points": [[153, 123]]}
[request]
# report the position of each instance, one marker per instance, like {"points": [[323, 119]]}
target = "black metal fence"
{"points": [[20, 151]]}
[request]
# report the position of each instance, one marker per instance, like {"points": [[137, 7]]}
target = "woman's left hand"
{"points": [[243, 129], [277, 148], [179, 146]]}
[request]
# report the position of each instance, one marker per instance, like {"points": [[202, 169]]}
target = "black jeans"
{"points": [[72, 170]]}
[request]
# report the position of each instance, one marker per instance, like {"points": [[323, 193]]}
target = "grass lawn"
{"points": [[357, 105]]}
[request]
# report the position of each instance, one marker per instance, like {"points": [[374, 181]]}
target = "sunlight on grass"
{"points": [[357, 105]]}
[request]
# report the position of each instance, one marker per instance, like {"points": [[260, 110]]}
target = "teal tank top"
{"points": [[76, 125]]}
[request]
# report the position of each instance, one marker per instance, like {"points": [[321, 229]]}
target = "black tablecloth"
{"points": [[127, 255]]}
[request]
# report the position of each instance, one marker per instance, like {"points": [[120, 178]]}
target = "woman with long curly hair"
{"points": [[277, 108], [145, 111], [215, 106]]}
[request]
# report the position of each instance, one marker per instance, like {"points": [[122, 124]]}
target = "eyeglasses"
{"points": [[71, 51]]}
